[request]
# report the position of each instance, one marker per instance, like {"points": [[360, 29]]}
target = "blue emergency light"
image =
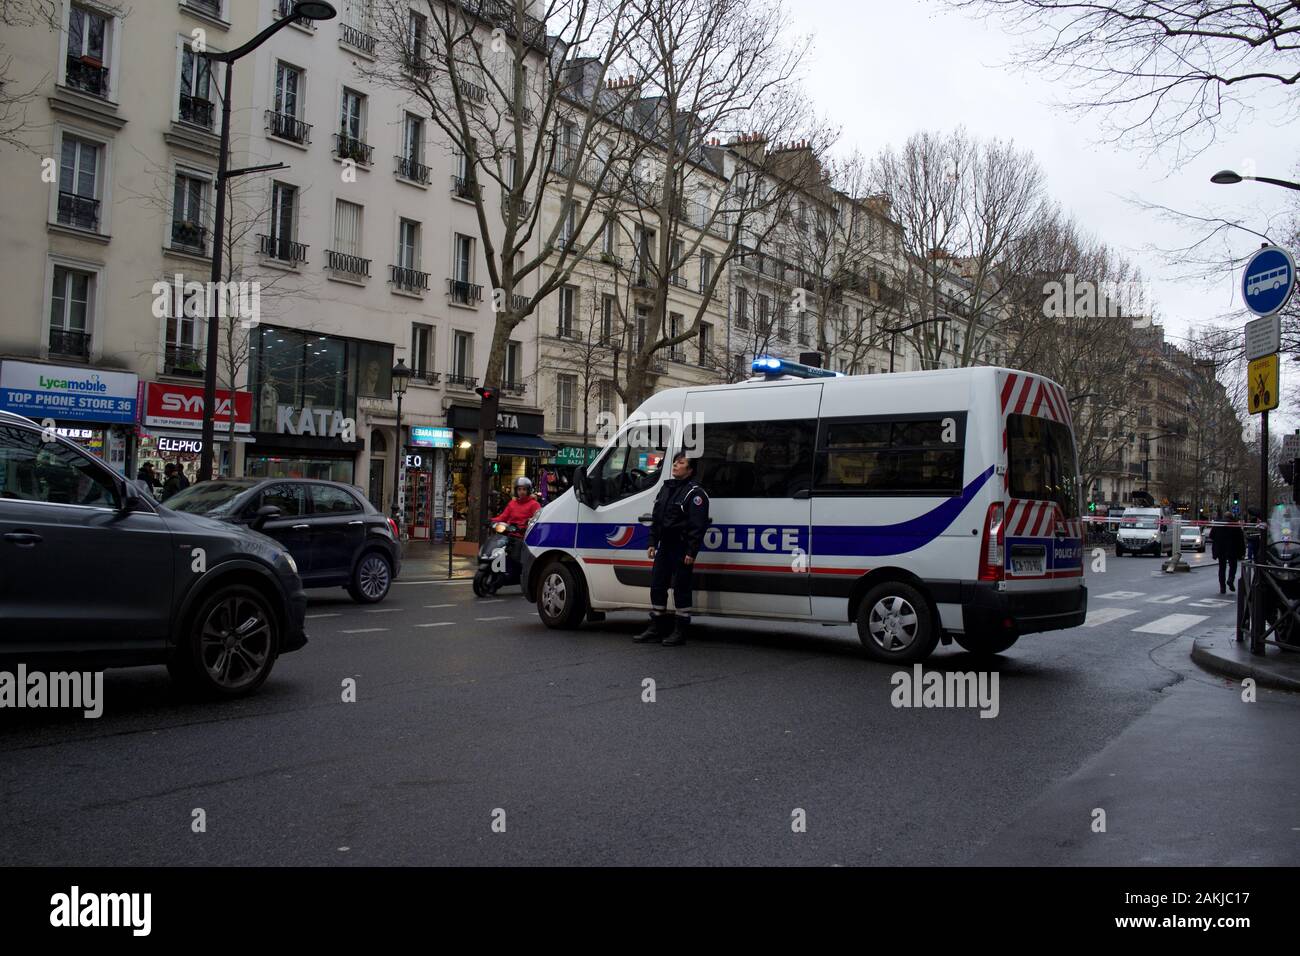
{"points": [[773, 367]]}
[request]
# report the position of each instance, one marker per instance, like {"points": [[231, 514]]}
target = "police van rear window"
{"points": [[1041, 462]]}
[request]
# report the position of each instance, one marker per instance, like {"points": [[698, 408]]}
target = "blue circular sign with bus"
{"points": [[1267, 280]]}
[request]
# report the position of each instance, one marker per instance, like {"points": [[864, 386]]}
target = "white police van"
{"points": [[922, 506]]}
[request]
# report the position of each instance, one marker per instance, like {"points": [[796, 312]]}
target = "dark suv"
{"points": [[94, 571], [338, 538]]}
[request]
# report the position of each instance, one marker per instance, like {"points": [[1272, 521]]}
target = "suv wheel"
{"points": [[231, 645], [895, 624], [372, 578], [561, 596]]}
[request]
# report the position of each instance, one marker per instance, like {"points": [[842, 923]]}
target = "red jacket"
{"points": [[518, 512]]}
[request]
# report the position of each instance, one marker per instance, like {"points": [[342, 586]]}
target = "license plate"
{"points": [[1029, 562]]}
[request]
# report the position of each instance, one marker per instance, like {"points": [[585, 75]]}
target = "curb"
{"points": [[1218, 651]]}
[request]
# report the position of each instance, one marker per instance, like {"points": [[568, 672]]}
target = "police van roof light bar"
{"points": [[773, 367]]}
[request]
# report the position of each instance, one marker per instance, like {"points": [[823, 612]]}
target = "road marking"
{"points": [[366, 630], [440, 605], [1211, 603], [504, 617], [1121, 595], [1107, 614], [1171, 624], [436, 624], [1172, 599], [441, 581], [383, 610], [312, 617], [492, 601]]}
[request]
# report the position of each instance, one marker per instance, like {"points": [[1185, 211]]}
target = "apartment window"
{"points": [[675, 276], [288, 83], [464, 264], [642, 319], [568, 307], [742, 308], [609, 237], [738, 367], [195, 105], [761, 317], [462, 355], [411, 162], [346, 256], [351, 141], [608, 310], [605, 395], [566, 394], [514, 372], [183, 354], [189, 213], [87, 66], [280, 244], [71, 306], [675, 351], [355, 28], [78, 203], [569, 221], [706, 344], [421, 350], [706, 270], [408, 244]]}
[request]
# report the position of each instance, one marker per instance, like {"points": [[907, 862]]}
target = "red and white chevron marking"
{"points": [[1024, 394], [1040, 519]]}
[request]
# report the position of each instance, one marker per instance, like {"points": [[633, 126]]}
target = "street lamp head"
{"points": [[1226, 177], [314, 10], [401, 378]]}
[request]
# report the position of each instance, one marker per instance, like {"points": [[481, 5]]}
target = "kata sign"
{"points": [[181, 406], [68, 394]]}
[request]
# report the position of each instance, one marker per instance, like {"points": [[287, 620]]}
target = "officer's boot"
{"points": [[678, 636], [653, 631]]}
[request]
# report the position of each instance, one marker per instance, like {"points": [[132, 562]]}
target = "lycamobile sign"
{"points": [[67, 394]]}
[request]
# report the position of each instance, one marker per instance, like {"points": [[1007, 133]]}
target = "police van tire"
{"points": [[895, 624], [561, 596], [984, 646]]}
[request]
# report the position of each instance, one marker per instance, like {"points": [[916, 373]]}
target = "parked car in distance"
{"points": [[1144, 531], [338, 538], [95, 573], [1192, 538]]}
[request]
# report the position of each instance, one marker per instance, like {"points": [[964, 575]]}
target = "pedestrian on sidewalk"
{"points": [[680, 518], [1228, 544]]}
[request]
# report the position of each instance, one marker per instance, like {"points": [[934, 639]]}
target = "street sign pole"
{"points": [[1263, 463]]}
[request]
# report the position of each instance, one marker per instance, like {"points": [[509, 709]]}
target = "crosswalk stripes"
{"points": [[1107, 614], [1169, 624]]}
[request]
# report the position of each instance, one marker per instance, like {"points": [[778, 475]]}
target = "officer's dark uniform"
{"points": [[681, 516]]}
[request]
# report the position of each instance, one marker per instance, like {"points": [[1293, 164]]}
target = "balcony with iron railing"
{"points": [[286, 127], [425, 376], [520, 207], [471, 91], [520, 302], [466, 187], [516, 389], [417, 63], [567, 331], [356, 37], [346, 265], [409, 168], [611, 259], [467, 382], [189, 236], [211, 7], [677, 355], [679, 281], [464, 293], [87, 74], [70, 342], [183, 360], [81, 212], [408, 280], [349, 147], [282, 249], [195, 111]]}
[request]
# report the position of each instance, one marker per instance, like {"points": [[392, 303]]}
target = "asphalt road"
{"points": [[470, 711]]}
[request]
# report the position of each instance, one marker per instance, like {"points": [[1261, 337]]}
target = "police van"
{"points": [[920, 506]]}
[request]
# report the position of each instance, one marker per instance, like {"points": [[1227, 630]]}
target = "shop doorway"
{"points": [[378, 452]]}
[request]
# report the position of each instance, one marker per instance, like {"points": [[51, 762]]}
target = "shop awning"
{"points": [[513, 444]]}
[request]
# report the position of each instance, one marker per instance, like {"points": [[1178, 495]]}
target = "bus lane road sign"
{"points": [[1267, 280]]}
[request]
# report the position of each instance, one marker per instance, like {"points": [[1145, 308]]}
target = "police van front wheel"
{"points": [[895, 624], [561, 596]]}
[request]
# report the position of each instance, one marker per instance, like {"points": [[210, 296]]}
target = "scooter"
{"points": [[1279, 560], [498, 559]]}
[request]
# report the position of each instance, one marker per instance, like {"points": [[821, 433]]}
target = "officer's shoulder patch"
{"points": [[699, 500]]}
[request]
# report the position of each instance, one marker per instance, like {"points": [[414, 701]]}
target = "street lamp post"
{"points": [[308, 9], [401, 378], [1226, 177], [895, 330]]}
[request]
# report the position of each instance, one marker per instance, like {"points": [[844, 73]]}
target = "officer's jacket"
{"points": [[681, 514]]}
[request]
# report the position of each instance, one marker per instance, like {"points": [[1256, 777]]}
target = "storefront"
{"points": [[304, 392], [424, 482], [171, 427], [520, 452], [94, 407], [558, 471]]}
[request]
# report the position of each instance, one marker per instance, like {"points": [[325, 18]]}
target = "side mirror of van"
{"points": [[582, 489]]}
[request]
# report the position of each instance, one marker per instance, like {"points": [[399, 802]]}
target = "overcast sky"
{"points": [[883, 69]]}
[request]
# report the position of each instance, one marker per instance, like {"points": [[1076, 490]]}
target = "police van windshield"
{"points": [[1041, 462]]}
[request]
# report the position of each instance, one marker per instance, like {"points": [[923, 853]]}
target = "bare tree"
{"points": [[1161, 73], [15, 16]]}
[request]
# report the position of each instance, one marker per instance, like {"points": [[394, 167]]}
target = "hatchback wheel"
{"points": [[231, 645], [371, 579]]}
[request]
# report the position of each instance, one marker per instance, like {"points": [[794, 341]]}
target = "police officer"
{"points": [[681, 516]]}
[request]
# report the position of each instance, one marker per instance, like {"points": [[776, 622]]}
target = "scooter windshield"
{"points": [[1284, 527]]}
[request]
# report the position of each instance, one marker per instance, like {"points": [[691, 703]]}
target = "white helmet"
{"points": [[526, 482]]}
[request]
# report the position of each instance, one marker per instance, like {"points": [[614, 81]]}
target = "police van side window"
{"points": [[755, 459], [632, 465], [910, 454]]}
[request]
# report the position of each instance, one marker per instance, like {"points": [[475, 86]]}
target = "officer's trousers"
{"points": [[670, 569]]}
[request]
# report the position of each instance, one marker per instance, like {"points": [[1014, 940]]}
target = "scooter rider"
{"points": [[521, 508], [681, 516]]}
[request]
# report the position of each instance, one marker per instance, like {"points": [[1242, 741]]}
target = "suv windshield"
{"points": [[208, 497], [1041, 462]]}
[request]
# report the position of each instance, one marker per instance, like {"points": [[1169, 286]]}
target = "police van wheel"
{"points": [[895, 624], [983, 646], [561, 597]]}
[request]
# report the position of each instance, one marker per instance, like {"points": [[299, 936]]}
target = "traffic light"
{"points": [[486, 392], [1236, 500], [496, 467], [1092, 507]]}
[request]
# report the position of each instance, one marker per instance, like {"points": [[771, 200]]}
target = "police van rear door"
{"points": [[754, 445]]}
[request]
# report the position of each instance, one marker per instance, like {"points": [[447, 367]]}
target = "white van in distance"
{"points": [[922, 506]]}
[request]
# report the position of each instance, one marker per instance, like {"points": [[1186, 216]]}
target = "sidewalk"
{"points": [[422, 560], [1218, 651]]}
